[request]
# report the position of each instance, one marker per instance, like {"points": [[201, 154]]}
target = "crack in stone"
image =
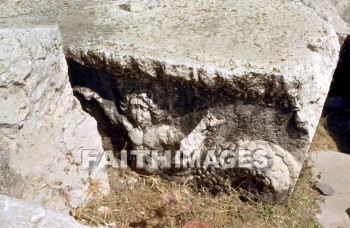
{"points": [[322, 16]]}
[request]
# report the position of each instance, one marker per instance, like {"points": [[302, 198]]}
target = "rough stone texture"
{"points": [[42, 126], [325, 189], [17, 213], [337, 12], [10, 180], [333, 168], [219, 72]]}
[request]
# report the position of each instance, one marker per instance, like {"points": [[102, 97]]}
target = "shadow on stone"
{"points": [[348, 212], [137, 111], [11, 183], [337, 107]]}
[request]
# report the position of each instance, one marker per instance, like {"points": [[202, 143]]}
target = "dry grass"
{"points": [[322, 139], [154, 202]]}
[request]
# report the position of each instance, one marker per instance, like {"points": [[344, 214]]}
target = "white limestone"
{"points": [[269, 62], [42, 126], [17, 213]]}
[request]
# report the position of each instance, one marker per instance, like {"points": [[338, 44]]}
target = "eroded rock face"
{"points": [[17, 213], [205, 75], [336, 12], [42, 126]]}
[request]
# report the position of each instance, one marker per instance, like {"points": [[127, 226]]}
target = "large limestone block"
{"points": [[17, 213], [43, 128], [336, 12], [210, 75]]}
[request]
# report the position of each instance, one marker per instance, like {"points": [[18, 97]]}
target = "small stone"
{"points": [[120, 186], [186, 209], [37, 217], [103, 210], [196, 223], [23, 106], [325, 189], [251, 146], [132, 181]]}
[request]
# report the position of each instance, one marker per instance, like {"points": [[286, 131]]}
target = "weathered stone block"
{"points": [[207, 75], [17, 213], [337, 12], [42, 126]]}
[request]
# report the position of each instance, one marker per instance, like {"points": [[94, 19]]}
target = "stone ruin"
{"points": [[212, 76]]}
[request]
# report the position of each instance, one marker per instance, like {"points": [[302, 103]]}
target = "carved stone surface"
{"points": [[43, 128], [207, 75]]}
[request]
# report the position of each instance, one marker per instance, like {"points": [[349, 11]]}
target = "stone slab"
{"points": [[333, 168]]}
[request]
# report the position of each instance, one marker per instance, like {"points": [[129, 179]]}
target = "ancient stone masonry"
{"points": [[194, 117], [213, 76], [42, 126]]}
